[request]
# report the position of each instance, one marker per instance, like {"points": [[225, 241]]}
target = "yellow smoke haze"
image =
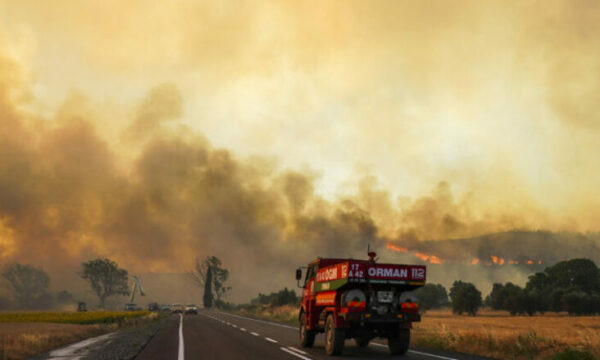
{"points": [[271, 132]]}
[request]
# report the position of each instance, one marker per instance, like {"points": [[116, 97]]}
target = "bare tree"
{"points": [[218, 276]]}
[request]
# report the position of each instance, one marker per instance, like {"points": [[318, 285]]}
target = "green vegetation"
{"points": [[465, 298], [512, 298], [29, 285], [574, 354], [572, 286], [92, 317], [29, 289], [207, 298], [432, 296], [106, 278], [210, 275], [279, 298]]}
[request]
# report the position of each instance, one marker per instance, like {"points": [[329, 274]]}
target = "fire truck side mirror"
{"points": [[298, 274]]}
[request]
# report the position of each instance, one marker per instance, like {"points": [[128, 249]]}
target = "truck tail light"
{"points": [[409, 306], [357, 304]]}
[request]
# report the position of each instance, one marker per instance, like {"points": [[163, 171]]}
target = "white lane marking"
{"points": [[419, 352], [234, 325], [180, 355], [271, 340], [71, 349], [260, 321], [295, 354], [297, 350], [431, 355], [242, 329], [291, 327], [255, 334]]}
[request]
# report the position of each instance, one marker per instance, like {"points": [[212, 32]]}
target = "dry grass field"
{"points": [[491, 333], [20, 340], [23, 334], [499, 335]]}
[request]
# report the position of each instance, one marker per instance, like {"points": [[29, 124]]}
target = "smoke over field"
{"points": [[269, 148]]}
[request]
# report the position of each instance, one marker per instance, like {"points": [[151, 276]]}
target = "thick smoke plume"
{"points": [[66, 198], [487, 119]]}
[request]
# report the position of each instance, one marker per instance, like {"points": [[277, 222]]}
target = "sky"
{"points": [[133, 127]]}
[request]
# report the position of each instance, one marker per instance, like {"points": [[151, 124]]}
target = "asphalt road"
{"points": [[217, 335]]}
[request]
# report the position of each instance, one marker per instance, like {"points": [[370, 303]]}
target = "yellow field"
{"points": [[91, 317], [496, 334]]}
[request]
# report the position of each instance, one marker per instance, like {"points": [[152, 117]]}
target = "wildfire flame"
{"points": [[497, 260], [396, 248], [431, 258]]}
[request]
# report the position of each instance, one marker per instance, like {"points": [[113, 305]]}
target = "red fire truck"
{"points": [[359, 299]]}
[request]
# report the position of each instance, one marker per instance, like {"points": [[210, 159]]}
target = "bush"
{"points": [[282, 297], [573, 354], [432, 296], [571, 285], [465, 298]]}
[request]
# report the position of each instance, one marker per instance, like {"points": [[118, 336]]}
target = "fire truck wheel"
{"points": [[362, 342], [399, 344], [307, 337], [334, 337]]}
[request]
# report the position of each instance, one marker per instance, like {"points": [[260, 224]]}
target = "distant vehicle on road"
{"points": [[153, 306], [131, 307], [81, 307], [165, 307], [360, 300], [177, 308], [191, 309]]}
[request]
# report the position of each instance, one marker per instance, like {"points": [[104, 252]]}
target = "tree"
{"points": [[465, 298], [208, 295], [571, 285], [106, 279], [219, 276], [29, 284], [512, 298], [432, 296], [496, 298], [576, 274]]}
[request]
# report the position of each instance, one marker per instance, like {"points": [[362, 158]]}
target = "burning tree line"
{"points": [[572, 286]]}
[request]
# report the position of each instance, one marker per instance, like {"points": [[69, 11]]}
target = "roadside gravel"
{"points": [[127, 344]]}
